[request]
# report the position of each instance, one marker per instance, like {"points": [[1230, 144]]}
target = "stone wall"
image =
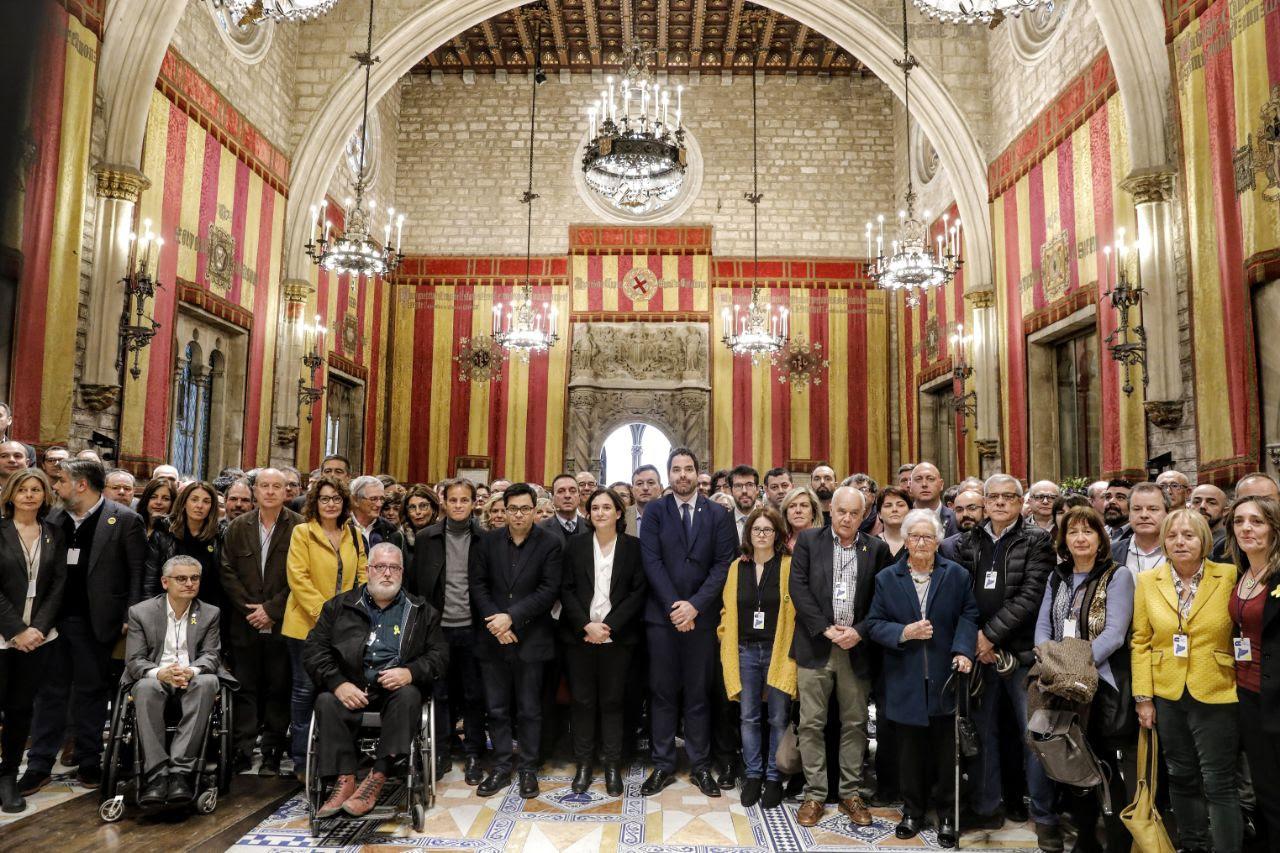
{"points": [[826, 162], [262, 91]]}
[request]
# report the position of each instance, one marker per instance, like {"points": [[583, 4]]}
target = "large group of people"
{"points": [[602, 623]]}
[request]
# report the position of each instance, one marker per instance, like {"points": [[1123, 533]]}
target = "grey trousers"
{"points": [[852, 695], [150, 696]]}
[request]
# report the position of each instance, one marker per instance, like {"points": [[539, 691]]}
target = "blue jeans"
{"points": [[301, 701], [753, 669], [1200, 743], [987, 793]]}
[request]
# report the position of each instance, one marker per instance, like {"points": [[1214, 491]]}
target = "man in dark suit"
{"points": [[927, 487], [106, 560], [833, 573], [567, 521], [439, 573], [515, 579], [688, 543], [255, 553], [173, 654]]}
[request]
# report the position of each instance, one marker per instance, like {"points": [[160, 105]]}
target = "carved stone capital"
{"points": [[1149, 186], [296, 290], [120, 182], [286, 436], [988, 448], [981, 298], [1166, 414], [1273, 453], [99, 398]]}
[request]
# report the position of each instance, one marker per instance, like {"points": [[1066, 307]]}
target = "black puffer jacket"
{"points": [[164, 545], [1028, 560]]}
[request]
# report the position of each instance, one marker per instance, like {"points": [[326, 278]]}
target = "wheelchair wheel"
{"points": [[419, 817], [112, 760], [225, 732], [314, 785], [111, 810], [207, 801]]}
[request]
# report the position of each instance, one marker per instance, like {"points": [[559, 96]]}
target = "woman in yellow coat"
{"points": [[1184, 681], [327, 556], [756, 627]]}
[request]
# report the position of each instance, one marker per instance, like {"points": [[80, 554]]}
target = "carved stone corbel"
{"points": [[99, 398], [1166, 414]]}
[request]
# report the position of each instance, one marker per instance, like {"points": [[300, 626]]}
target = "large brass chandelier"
{"points": [[256, 11], [912, 265], [356, 251], [636, 157], [525, 327], [979, 11], [760, 332]]}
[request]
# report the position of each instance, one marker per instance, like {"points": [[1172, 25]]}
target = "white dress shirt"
{"points": [[600, 604], [175, 640]]}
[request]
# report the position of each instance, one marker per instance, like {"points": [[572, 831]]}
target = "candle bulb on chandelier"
{"points": [[664, 107], [327, 226], [591, 113], [1106, 269], [679, 101], [399, 231]]}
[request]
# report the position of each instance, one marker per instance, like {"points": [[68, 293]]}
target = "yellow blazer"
{"points": [[782, 667], [1208, 672], [313, 574]]}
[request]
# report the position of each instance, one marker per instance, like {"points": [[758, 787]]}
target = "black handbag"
{"points": [[1112, 709]]}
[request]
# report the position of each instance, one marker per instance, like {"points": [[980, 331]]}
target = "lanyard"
{"points": [[764, 575]]}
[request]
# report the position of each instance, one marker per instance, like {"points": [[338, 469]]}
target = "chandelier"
{"points": [[913, 265], [527, 328], [760, 332], [979, 11], [355, 251], [636, 158], [245, 12]]}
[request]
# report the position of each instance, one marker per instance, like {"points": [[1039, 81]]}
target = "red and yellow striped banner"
{"points": [[197, 185], [844, 420], [1050, 228], [434, 416], [44, 351], [1226, 64]]}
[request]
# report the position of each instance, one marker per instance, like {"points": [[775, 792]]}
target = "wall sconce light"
{"points": [[313, 339], [1127, 343], [965, 404]]}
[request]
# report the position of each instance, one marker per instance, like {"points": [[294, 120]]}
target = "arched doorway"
{"points": [[630, 446]]}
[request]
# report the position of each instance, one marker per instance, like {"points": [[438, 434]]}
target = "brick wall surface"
{"points": [[826, 167]]}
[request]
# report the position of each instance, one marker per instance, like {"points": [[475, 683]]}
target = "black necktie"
{"points": [[688, 520]]}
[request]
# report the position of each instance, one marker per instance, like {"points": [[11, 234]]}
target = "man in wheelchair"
{"points": [[173, 655], [374, 648]]}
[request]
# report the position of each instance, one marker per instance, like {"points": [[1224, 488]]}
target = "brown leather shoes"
{"points": [[810, 813], [342, 791], [854, 809], [367, 797]]}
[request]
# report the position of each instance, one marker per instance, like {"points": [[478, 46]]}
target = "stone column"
{"points": [[117, 191], [986, 376], [1152, 192]]}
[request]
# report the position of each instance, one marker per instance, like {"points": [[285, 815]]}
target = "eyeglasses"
{"points": [[519, 510], [1006, 497], [739, 486], [921, 538], [377, 500], [763, 531], [329, 499], [1043, 498], [385, 569], [185, 579]]}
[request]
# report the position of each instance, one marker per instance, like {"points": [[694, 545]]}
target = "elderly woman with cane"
{"points": [[925, 616]]}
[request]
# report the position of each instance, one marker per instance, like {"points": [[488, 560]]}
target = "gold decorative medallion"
{"points": [[220, 261], [640, 284], [1055, 272]]}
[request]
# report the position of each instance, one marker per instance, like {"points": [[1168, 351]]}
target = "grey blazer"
{"points": [[145, 641]]}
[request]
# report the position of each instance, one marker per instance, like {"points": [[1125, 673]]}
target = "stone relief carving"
{"points": [[639, 351], [627, 372]]}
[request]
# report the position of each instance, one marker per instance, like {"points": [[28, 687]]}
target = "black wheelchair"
{"points": [[411, 798], [122, 779]]}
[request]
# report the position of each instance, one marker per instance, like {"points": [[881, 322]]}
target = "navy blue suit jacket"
{"points": [[680, 568], [915, 671]]}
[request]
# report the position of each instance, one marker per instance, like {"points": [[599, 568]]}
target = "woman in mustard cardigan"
{"points": [[327, 556], [756, 626], [1184, 681]]}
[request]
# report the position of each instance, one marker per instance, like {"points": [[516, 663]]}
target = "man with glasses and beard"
{"points": [[375, 648], [1115, 508], [970, 513]]}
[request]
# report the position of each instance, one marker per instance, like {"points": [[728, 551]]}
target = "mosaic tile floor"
{"points": [[679, 820]]}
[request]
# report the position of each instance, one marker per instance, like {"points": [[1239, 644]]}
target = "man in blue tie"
{"points": [[687, 542]]}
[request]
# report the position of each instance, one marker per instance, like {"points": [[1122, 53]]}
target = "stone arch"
{"points": [[608, 427], [855, 28], [1141, 63]]}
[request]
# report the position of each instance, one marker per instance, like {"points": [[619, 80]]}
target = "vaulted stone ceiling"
{"points": [[709, 36]]}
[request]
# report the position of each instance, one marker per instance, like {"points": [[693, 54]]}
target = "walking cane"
{"points": [[962, 685]]}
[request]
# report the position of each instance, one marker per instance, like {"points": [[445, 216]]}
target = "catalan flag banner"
{"points": [[629, 273], [61, 117], [453, 401], [1057, 205], [220, 213], [1227, 78], [927, 357], [761, 413]]}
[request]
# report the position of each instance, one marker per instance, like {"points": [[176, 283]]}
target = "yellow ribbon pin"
{"points": [[111, 520], [396, 630]]}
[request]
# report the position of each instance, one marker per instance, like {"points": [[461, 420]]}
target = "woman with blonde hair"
{"points": [[801, 510], [327, 557], [757, 623], [1253, 540], [1184, 680]]}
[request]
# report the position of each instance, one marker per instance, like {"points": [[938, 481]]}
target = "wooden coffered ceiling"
{"points": [[710, 36]]}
